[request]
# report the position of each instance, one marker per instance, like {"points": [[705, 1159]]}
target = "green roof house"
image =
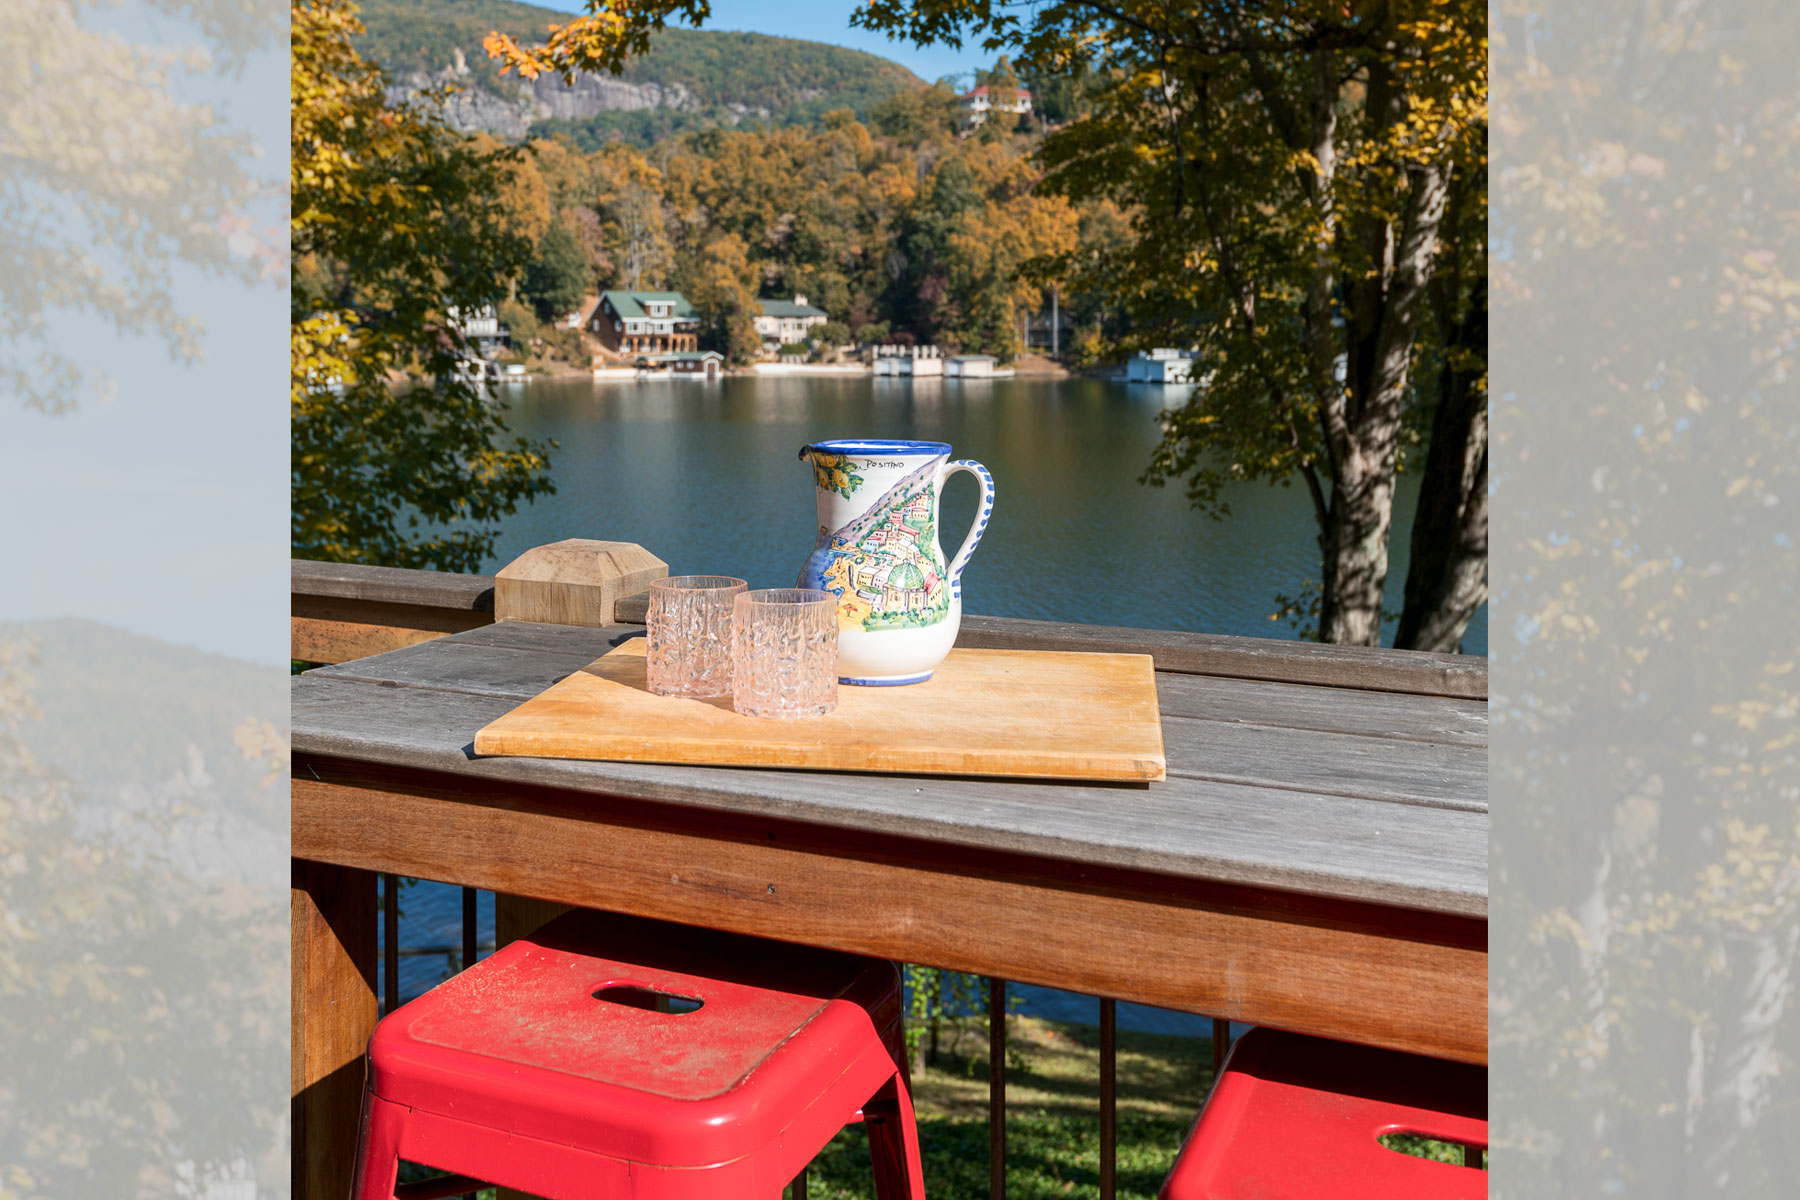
{"points": [[783, 322], [645, 322]]}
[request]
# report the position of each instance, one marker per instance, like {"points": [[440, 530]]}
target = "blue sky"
{"points": [[164, 510], [828, 21]]}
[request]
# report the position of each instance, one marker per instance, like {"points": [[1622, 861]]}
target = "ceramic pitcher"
{"points": [[899, 603]]}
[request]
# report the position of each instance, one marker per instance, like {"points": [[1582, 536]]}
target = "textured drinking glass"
{"points": [[784, 653], [689, 631]]}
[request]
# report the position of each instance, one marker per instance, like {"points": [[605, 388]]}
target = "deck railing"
{"points": [[346, 611]]}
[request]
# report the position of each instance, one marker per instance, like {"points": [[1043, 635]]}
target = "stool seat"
{"points": [[610, 1055], [1295, 1117]]}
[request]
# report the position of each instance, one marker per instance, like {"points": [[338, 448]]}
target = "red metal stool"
{"points": [[566, 1066], [1297, 1118]]}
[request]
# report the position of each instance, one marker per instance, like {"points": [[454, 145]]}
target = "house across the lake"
{"points": [[784, 322], [975, 366], [645, 322], [482, 327], [977, 104], [1160, 366], [686, 364]]}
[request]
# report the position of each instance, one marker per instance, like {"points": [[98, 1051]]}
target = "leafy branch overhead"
{"points": [[1306, 187], [611, 32], [399, 224]]}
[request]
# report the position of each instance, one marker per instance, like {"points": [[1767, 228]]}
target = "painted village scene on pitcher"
{"points": [[885, 566]]}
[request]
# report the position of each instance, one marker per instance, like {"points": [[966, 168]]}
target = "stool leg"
{"points": [[378, 1152], [894, 1145]]}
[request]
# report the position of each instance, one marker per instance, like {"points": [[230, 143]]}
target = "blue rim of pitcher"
{"points": [[885, 680], [875, 446]]}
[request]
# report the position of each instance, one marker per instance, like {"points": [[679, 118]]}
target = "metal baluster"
{"points": [[997, 1089], [390, 939], [1109, 1130], [800, 1185], [1221, 1045], [468, 953], [468, 947], [934, 1005]]}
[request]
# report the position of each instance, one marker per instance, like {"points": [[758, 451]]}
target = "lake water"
{"points": [[706, 477]]}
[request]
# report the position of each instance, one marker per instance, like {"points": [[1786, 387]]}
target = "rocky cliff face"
{"points": [[511, 113]]}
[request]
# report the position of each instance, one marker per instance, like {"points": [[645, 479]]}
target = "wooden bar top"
{"points": [[1323, 789]]}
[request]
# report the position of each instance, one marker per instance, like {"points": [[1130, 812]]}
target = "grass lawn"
{"points": [[1052, 1116]]}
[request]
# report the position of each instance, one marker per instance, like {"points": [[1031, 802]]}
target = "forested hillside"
{"points": [[691, 79], [905, 226]]}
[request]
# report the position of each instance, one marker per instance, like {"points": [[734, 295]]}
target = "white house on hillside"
{"points": [[784, 322], [977, 104], [481, 326]]}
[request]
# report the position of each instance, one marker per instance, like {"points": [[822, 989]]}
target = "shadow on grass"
{"points": [[1046, 1156], [1052, 1123]]}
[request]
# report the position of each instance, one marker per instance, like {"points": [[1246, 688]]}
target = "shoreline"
{"points": [[1032, 367]]}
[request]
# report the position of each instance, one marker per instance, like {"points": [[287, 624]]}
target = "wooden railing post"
{"points": [[332, 932], [574, 582]]}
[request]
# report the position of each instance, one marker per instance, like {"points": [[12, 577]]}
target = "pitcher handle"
{"points": [[982, 514]]}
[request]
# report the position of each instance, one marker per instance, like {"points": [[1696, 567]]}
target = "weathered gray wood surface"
{"points": [[1363, 667], [1300, 706], [393, 585], [1355, 795]]}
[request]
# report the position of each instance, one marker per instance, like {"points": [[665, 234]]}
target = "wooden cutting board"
{"points": [[1023, 713]]}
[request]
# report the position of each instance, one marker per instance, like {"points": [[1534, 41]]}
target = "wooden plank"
{"points": [[1211, 654], [343, 611], [487, 667], [396, 616], [1367, 973], [391, 585], [516, 916], [1014, 714], [579, 643], [633, 610], [453, 665], [1302, 753], [1428, 858], [1425, 773], [316, 641], [332, 934], [1328, 710], [1364, 667]]}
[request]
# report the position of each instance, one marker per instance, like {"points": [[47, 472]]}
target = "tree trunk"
{"points": [[1364, 431], [1356, 556], [1446, 579]]}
